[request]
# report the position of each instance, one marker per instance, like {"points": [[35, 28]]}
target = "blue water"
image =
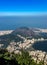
{"points": [[13, 22], [40, 46]]}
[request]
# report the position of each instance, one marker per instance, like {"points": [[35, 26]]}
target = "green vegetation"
{"points": [[7, 58]]}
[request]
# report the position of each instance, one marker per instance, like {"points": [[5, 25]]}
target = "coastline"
{"points": [[4, 32], [41, 30]]}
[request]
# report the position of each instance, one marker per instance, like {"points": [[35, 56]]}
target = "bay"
{"points": [[40, 46]]}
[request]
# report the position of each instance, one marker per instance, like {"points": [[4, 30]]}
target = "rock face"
{"points": [[24, 31]]}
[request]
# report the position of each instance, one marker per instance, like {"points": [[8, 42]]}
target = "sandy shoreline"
{"points": [[5, 32], [41, 30]]}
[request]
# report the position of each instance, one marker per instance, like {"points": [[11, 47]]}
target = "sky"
{"points": [[22, 7]]}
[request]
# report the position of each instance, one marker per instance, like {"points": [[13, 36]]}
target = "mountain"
{"points": [[24, 31]]}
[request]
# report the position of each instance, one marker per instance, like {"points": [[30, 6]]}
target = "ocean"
{"points": [[13, 22]]}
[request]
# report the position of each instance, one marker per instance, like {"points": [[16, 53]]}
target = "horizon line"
{"points": [[22, 13]]}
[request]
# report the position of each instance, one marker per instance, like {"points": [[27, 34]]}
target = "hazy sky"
{"points": [[26, 6]]}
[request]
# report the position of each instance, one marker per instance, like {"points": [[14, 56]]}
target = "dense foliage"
{"points": [[7, 58]]}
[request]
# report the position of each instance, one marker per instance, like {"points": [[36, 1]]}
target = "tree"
{"points": [[24, 58], [7, 58]]}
